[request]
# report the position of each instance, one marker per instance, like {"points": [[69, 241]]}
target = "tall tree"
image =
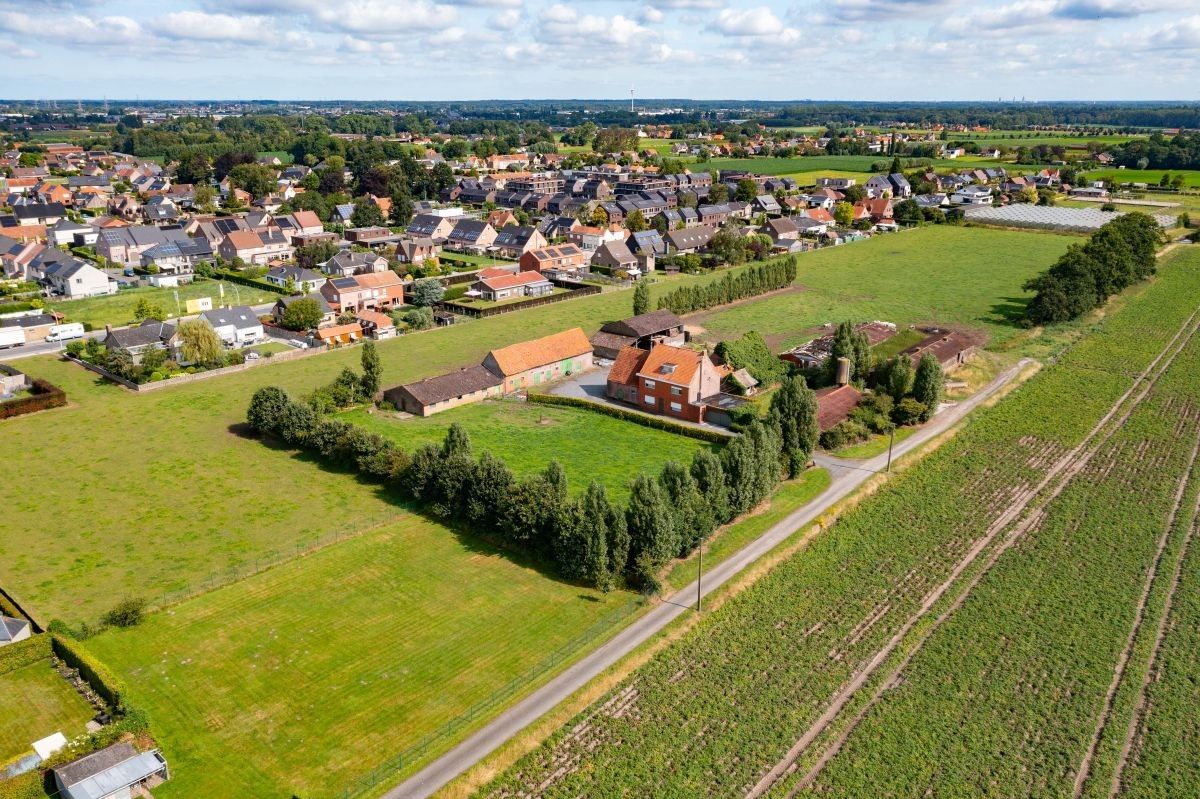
{"points": [[650, 523], [636, 222], [199, 342], [710, 481], [794, 413], [641, 298], [927, 385], [900, 378], [372, 369], [693, 521]]}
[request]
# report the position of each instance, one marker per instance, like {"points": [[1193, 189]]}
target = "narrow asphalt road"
{"points": [[846, 477]]}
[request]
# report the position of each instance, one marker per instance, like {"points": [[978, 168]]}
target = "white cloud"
{"points": [[506, 20], [201, 26], [754, 23], [650, 15], [560, 24]]}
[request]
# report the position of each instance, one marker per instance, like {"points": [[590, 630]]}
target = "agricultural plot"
{"points": [[590, 446], [1151, 177], [715, 712], [35, 702], [805, 163], [944, 274]]}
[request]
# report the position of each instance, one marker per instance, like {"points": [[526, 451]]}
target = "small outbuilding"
{"points": [[13, 630], [111, 773]]}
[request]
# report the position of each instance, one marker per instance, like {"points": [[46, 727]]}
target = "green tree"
{"points": [[372, 370], [419, 318], [927, 385], [199, 342], [590, 538], [907, 212], [636, 222], [366, 215], [746, 190], [194, 168], [427, 292], [650, 524], [258, 179], [794, 413], [145, 309], [266, 408], [303, 314], [710, 481], [204, 197], [693, 520], [843, 214], [641, 298], [900, 378], [488, 492], [718, 193]]}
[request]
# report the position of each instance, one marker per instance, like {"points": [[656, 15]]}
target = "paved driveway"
{"points": [[593, 386]]}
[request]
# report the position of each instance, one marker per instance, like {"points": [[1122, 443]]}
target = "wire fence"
{"points": [[389, 771]]}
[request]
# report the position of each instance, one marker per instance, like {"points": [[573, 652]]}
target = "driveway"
{"points": [[593, 387]]}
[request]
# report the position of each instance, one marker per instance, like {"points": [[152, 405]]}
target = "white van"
{"points": [[65, 332]]}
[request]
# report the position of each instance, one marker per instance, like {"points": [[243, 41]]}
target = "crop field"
{"points": [[36, 702], [1191, 177], [304, 677], [735, 706], [117, 309], [945, 274], [803, 163], [590, 446]]}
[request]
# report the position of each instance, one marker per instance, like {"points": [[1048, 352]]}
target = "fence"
{"points": [[409, 757], [484, 313]]}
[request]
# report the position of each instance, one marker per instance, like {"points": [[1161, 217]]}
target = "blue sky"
{"points": [[704, 49]]}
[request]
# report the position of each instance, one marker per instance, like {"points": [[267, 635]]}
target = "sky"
{"points": [[520, 49]]}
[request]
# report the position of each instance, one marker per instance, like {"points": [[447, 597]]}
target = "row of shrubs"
{"points": [[590, 539], [43, 396], [751, 282], [24, 653]]}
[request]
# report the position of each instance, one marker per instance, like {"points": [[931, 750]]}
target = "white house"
{"points": [[972, 195], [236, 327], [74, 278]]}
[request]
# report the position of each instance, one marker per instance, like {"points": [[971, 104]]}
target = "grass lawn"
{"points": [[483, 304], [875, 445], [477, 260], [270, 348], [802, 163], [36, 702], [117, 309], [1191, 177], [301, 678], [590, 446], [788, 497], [949, 275]]}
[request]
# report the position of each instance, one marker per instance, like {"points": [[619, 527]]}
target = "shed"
{"points": [[110, 773]]}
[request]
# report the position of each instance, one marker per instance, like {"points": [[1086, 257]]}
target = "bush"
{"points": [[42, 396], [127, 613], [24, 653], [908, 411]]}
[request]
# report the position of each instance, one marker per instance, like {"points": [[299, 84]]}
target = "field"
{"points": [[938, 274], [805, 163], [117, 309], [36, 702], [771, 680], [1191, 178], [306, 676], [246, 505], [588, 445]]}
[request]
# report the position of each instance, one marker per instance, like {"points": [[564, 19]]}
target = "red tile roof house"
{"points": [[510, 286], [255, 248], [666, 380], [542, 360], [372, 291], [559, 259]]}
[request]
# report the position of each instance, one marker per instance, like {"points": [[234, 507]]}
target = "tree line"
{"points": [[589, 539], [750, 283], [1117, 255]]}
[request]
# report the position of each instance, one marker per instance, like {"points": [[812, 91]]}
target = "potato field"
{"points": [[970, 629]]}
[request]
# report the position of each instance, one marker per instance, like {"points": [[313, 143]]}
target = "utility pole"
{"points": [[699, 574], [891, 442]]}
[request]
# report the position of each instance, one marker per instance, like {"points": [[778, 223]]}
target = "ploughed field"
{"points": [[981, 626]]}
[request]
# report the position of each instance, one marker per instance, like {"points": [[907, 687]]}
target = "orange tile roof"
{"points": [[307, 219], [378, 280], [518, 358], [493, 271], [663, 356], [376, 318], [244, 240], [334, 331], [627, 365], [510, 280]]}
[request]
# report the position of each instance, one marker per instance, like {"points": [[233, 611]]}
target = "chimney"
{"points": [[108, 329], [843, 371]]}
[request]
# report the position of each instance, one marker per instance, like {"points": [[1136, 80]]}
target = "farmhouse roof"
{"points": [[518, 358], [508, 281], [646, 324], [627, 364], [835, 403], [455, 384], [671, 364]]}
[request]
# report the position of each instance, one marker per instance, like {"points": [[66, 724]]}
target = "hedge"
{"points": [[24, 653], [234, 277], [93, 672], [44, 396], [655, 422]]}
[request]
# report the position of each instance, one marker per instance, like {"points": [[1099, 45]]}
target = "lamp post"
{"points": [[699, 575], [891, 442]]}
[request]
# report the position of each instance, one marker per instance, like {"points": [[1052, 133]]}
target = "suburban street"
{"points": [[846, 476]]}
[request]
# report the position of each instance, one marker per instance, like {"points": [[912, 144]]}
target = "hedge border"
{"points": [[653, 422], [234, 277], [24, 653], [46, 396], [93, 672]]}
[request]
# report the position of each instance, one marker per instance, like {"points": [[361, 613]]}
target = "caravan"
{"points": [[65, 332]]}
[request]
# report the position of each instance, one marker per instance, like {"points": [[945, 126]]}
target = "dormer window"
{"points": [[667, 369]]}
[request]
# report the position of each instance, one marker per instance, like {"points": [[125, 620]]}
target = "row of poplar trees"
{"points": [[589, 537]]}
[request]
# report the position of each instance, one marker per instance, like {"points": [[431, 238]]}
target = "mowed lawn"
{"points": [[117, 309], [950, 275], [305, 677], [801, 163], [526, 436], [154, 494], [35, 702]]}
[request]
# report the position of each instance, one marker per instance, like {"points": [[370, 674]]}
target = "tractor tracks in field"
{"points": [[1057, 478]]}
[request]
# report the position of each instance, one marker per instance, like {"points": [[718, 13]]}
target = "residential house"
{"points": [[177, 257], [471, 235], [589, 239], [348, 262], [46, 214], [13, 630], [160, 210], [558, 260], [435, 394], [690, 240], [510, 286], [516, 240], [73, 278], [542, 360], [150, 334], [376, 325], [283, 303], [502, 218], [646, 242], [303, 280], [115, 772], [767, 204], [901, 188], [417, 250], [71, 234], [373, 291], [615, 256], [255, 248], [665, 380], [342, 214], [335, 335], [300, 223], [642, 331], [972, 195], [879, 186]]}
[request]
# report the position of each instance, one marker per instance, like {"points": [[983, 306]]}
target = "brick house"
{"points": [[372, 291], [542, 360], [666, 380], [560, 259]]}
